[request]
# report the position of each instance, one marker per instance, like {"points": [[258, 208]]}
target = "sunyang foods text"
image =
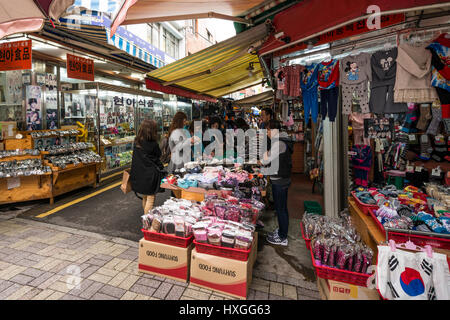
{"points": [[229, 273], [161, 255]]}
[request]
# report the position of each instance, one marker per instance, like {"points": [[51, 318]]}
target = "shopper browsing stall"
{"points": [[178, 141], [266, 115], [280, 177], [146, 167]]}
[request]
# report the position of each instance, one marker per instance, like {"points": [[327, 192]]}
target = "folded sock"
{"points": [[425, 117], [435, 121], [425, 147]]}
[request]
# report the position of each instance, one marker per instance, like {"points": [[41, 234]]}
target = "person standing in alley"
{"points": [[179, 142], [266, 116], [146, 167], [280, 176]]}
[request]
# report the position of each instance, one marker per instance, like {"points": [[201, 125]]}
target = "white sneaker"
{"points": [[275, 239]]}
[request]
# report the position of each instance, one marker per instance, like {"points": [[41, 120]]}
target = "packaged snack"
{"points": [[156, 223]]}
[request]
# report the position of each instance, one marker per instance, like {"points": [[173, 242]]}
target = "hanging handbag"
{"points": [[126, 184]]}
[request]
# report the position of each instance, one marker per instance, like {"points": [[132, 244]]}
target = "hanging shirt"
{"points": [[328, 74], [384, 67], [309, 77], [355, 69], [440, 62]]}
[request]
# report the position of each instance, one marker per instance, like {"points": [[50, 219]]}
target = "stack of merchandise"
{"points": [[410, 209], [17, 168], [224, 233], [233, 209], [336, 244], [175, 217], [237, 181]]}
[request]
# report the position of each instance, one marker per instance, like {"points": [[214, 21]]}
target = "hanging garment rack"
{"points": [[353, 45]]}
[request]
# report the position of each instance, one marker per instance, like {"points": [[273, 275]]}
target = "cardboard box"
{"points": [[8, 129], [336, 290], [164, 260], [229, 276]]}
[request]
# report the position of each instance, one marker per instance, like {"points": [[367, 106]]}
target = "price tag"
{"points": [[436, 172], [418, 169], [410, 168], [411, 137]]}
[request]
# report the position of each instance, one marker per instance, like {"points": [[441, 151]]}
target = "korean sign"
{"points": [[80, 68], [15, 55]]}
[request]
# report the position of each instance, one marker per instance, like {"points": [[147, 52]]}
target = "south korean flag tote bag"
{"points": [[404, 275]]}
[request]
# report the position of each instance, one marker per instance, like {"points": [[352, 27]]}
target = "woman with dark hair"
{"points": [[178, 141], [146, 167], [280, 178]]}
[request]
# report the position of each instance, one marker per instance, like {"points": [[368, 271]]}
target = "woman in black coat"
{"points": [[146, 167]]}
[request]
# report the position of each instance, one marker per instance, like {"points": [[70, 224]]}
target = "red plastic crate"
{"points": [[350, 277], [307, 241], [366, 208], [419, 240], [167, 239], [224, 252]]}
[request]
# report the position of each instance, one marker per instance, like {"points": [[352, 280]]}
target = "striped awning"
{"points": [[220, 69], [95, 26], [264, 98]]}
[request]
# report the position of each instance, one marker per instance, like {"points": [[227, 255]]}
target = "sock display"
{"points": [[437, 118], [425, 117]]}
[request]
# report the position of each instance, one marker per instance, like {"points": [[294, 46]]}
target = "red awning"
{"points": [[156, 86], [313, 17]]}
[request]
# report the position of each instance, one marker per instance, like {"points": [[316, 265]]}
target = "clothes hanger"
{"points": [[410, 246]]}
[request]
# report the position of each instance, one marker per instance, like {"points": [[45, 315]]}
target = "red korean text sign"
{"points": [[15, 55], [80, 68]]}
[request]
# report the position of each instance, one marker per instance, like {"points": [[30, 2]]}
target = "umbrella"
{"points": [[146, 11], [20, 16]]}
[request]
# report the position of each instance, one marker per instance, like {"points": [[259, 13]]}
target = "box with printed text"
{"points": [[229, 276], [164, 260]]}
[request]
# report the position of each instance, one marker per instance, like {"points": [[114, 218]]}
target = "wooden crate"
{"points": [[31, 188]]}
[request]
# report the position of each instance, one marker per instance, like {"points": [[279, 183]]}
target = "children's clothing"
{"points": [[328, 74], [357, 120], [329, 102], [309, 85], [355, 72], [384, 68], [362, 162], [440, 70], [413, 79]]}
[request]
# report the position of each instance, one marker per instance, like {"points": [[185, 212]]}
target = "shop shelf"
{"points": [[350, 277], [167, 239], [307, 241], [312, 207], [224, 252], [365, 208], [432, 239]]}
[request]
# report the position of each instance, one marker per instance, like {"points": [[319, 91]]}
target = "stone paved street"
{"points": [[39, 261]]}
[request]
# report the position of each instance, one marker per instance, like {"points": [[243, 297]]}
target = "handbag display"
{"points": [[126, 184]]}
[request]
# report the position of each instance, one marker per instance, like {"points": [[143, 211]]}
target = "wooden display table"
{"points": [[369, 231], [34, 187], [73, 177]]}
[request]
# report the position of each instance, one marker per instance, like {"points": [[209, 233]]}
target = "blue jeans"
{"points": [[280, 195]]}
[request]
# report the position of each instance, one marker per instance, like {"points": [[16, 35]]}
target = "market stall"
{"points": [[379, 99]]}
